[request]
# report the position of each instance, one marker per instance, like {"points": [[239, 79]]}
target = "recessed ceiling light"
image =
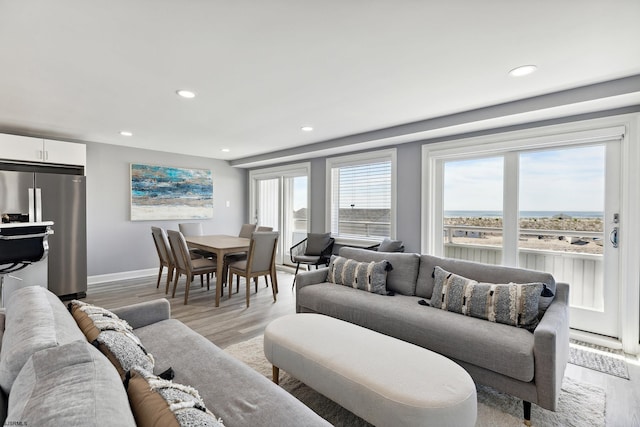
{"points": [[186, 93], [225, 150], [306, 128], [523, 70], [126, 133]]}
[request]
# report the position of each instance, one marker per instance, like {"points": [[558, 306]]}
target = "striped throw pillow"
{"points": [[366, 276], [513, 304]]}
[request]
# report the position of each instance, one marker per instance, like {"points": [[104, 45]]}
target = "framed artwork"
{"points": [[165, 193]]}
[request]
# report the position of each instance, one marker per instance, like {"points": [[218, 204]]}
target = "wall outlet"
{"points": [[228, 204]]}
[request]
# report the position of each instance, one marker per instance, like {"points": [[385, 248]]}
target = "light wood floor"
{"points": [[232, 322]]}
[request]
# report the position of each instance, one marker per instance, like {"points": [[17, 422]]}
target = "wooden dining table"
{"points": [[220, 245]]}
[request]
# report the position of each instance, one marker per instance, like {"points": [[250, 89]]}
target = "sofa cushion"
{"points": [[72, 385], [158, 402], [493, 346], [223, 388], [113, 337], [512, 304], [35, 319], [402, 279], [477, 271], [366, 276]]}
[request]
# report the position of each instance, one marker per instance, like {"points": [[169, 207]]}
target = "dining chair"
{"points": [[187, 266], [195, 229], [164, 255], [261, 261], [245, 231], [314, 250]]}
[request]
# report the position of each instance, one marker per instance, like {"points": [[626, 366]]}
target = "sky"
{"points": [[564, 180]]}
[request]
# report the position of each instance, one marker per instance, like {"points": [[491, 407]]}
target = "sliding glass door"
{"points": [[553, 208], [279, 199]]}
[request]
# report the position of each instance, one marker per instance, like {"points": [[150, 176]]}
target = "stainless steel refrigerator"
{"points": [[58, 194]]}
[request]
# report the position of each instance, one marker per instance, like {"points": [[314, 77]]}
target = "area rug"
{"points": [[598, 358], [580, 404]]}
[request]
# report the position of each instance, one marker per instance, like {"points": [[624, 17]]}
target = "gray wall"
{"points": [[116, 244]]}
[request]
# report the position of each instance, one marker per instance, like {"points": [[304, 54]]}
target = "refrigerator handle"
{"points": [[32, 205], [38, 204]]}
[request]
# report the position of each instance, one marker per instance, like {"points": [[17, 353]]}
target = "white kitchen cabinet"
{"points": [[27, 149], [65, 153], [14, 147]]}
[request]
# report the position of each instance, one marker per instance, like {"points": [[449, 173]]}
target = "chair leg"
{"points": [[186, 289], [255, 281], [294, 276], [202, 280], [274, 278], [175, 284], [208, 280], [230, 286], [159, 276], [248, 296], [169, 278], [274, 288]]}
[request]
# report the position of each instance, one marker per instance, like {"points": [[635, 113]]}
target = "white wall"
{"points": [[117, 246]]}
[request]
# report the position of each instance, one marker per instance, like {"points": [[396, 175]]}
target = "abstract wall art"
{"points": [[165, 193]]}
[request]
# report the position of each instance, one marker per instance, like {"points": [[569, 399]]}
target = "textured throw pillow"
{"points": [[113, 336], [366, 276], [512, 304], [388, 245], [70, 385], [157, 402], [316, 243]]}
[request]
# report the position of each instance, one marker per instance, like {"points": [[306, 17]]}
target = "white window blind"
{"points": [[361, 197]]}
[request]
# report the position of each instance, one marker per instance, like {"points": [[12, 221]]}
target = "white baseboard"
{"points": [[123, 275]]}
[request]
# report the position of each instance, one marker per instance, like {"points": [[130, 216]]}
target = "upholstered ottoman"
{"points": [[386, 381]]}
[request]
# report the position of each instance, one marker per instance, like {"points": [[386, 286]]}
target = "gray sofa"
{"points": [[54, 377], [510, 359]]}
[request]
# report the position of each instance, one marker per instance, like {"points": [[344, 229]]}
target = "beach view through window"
{"points": [[560, 198]]}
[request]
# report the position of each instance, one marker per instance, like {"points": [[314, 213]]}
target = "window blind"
{"points": [[361, 199]]}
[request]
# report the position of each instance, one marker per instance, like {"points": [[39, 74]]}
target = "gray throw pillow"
{"points": [[388, 245], [366, 276], [511, 304], [316, 243]]}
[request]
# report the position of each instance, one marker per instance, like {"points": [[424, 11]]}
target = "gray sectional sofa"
{"points": [[50, 375], [528, 365]]}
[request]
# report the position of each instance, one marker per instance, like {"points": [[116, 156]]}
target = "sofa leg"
{"points": [[527, 412]]}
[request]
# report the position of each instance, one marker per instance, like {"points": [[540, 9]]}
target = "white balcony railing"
{"points": [[583, 271]]}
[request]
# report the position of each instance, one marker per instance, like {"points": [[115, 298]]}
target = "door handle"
{"points": [[613, 237]]}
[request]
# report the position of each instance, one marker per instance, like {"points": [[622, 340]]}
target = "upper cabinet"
{"points": [[66, 153], [27, 149]]}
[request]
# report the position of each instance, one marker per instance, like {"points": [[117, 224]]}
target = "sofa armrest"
{"points": [[311, 277], [145, 313], [551, 348]]}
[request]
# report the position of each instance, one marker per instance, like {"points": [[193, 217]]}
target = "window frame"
{"points": [[355, 160]]}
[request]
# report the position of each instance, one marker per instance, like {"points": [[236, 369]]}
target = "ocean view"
{"points": [[523, 214]]}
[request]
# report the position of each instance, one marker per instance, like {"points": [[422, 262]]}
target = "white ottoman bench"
{"points": [[386, 381]]}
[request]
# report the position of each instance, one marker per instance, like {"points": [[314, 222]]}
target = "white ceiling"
{"points": [[85, 70]]}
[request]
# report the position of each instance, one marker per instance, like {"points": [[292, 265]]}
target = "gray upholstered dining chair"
{"points": [[314, 250], [195, 229], [185, 265], [164, 255], [261, 261]]}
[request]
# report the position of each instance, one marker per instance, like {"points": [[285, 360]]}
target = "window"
{"points": [[361, 195]]}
